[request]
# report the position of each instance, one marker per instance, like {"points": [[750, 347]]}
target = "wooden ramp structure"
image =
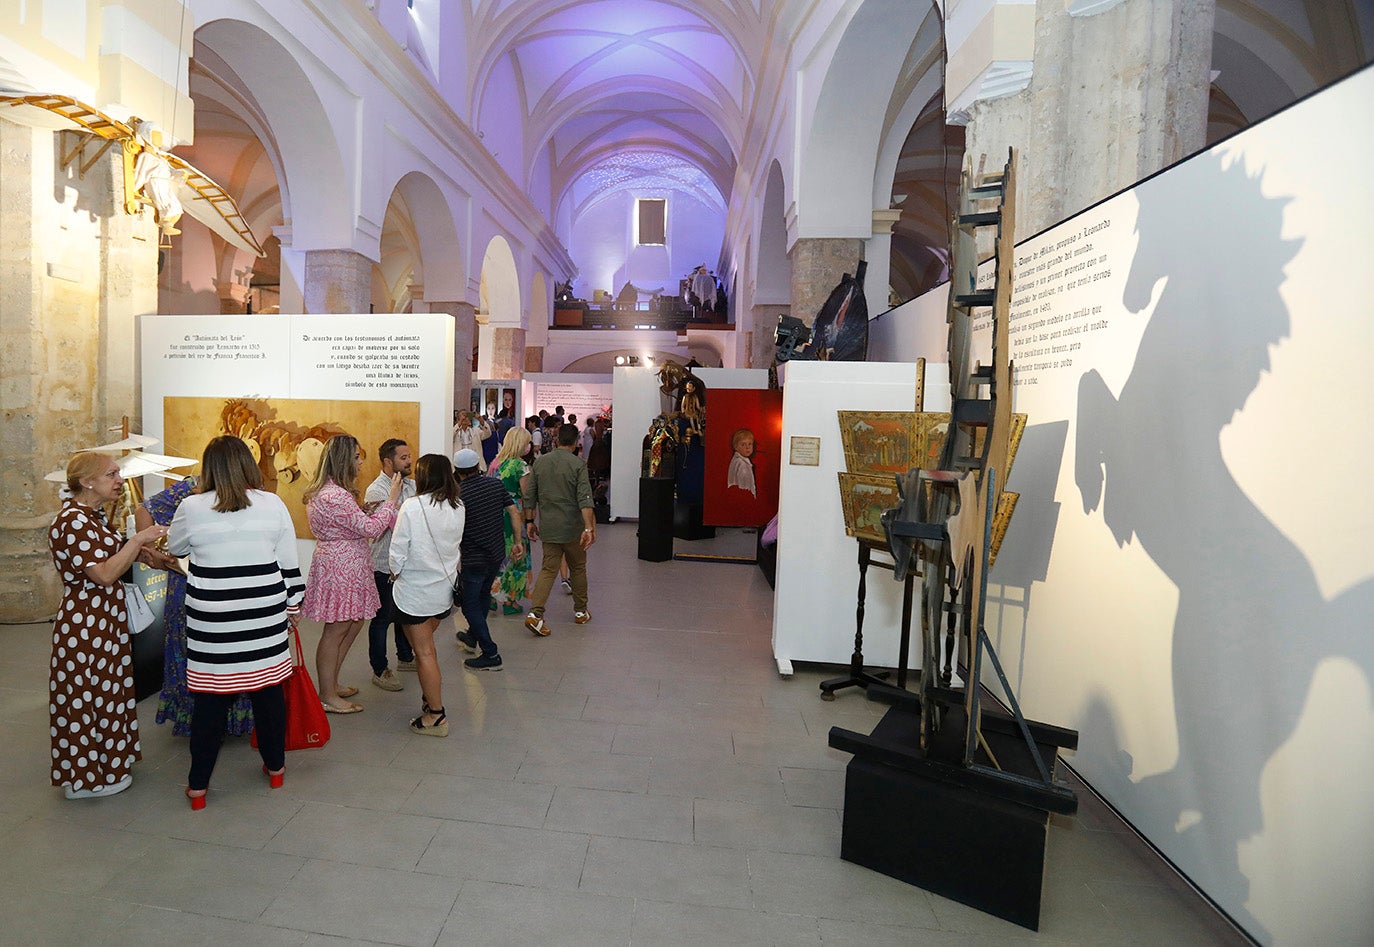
{"points": [[946, 793]]}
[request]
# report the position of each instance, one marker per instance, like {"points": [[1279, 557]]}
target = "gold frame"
{"points": [[856, 523], [854, 463]]}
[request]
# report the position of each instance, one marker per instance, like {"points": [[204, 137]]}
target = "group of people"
{"points": [[398, 554]]}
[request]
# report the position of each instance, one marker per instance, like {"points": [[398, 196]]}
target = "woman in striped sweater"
{"points": [[243, 591]]}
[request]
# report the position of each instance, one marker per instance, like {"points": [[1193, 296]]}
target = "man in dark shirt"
{"points": [[561, 496], [482, 553]]}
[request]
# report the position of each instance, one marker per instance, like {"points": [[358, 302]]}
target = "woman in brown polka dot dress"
{"points": [[94, 723]]}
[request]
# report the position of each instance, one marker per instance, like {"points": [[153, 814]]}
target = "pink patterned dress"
{"points": [[341, 587]]}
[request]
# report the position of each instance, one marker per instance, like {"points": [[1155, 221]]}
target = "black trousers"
{"points": [[209, 718]]}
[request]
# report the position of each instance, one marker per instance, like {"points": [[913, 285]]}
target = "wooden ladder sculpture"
{"points": [[939, 732]]}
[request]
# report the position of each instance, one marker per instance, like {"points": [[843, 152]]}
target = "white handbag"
{"points": [[140, 614]]}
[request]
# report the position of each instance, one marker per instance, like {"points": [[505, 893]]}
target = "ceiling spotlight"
{"points": [[620, 360]]}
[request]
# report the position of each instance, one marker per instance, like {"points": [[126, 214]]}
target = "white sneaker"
{"points": [[567, 586], [96, 792]]}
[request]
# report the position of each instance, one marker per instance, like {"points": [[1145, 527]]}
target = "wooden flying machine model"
{"points": [[152, 176]]}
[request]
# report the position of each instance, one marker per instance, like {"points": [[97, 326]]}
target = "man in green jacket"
{"points": [[560, 496]]}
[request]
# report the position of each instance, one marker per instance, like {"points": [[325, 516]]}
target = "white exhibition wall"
{"points": [[586, 395], [637, 402], [1188, 579], [818, 574]]}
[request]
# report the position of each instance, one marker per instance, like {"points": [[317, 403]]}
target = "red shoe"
{"points": [[275, 780], [197, 802]]}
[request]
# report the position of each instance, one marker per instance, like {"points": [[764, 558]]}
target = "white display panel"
{"points": [[1188, 577], [818, 574], [322, 357]]}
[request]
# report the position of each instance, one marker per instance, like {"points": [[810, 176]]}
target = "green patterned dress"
{"points": [[515, 576]]}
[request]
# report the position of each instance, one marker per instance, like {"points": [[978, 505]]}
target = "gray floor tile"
{"points": [[532, 857], [692, 925], [828, 887], [616, 771], [818, 788], [30, 914], [775, 828], [481, 800], [497, 914], [203, 879], [668, 871], [358, 836], [153, 926], [621, 814], [717, 779], [393, 907]]}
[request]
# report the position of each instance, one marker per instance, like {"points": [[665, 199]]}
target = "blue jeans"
{"points": [[376, 631], [477, 601]]}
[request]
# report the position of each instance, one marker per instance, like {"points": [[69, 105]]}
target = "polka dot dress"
{"points": [[93, 719]]}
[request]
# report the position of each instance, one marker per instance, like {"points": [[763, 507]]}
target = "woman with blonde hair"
{"points": [[243, 591], [425, 561], [511, 467], [93, 717], [341, 592]]}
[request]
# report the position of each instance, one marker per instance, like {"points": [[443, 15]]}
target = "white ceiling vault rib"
{"points": [[607, 83]]}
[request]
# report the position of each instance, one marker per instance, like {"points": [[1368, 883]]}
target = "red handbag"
{"points": [[307, 725]]}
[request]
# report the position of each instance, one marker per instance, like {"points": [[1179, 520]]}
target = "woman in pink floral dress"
{"points": [[341, 591]]}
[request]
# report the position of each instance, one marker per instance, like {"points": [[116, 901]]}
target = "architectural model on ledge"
{"points": [[152, 176]]}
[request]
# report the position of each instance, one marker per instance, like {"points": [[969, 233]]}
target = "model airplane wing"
{"points": [[200, 196], [132, 442], [210, 204], [59, 112]]}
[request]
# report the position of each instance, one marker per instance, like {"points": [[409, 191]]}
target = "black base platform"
{"points": [[955, 840]]}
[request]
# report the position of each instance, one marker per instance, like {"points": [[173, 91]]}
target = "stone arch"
{"points": [[845, 129], [499, 291], [311, 152], [773, 273], [419, 244]]}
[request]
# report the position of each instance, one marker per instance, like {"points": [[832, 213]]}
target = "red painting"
{"points": [[743, 457]]}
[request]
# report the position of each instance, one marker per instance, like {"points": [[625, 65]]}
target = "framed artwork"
{"points": [[1018, 428], [931, 428], [879, 442], [1006, 506], [863, 497], [287, 436]]}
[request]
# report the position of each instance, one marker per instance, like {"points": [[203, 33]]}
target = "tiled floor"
{"points": [[643, 779]]}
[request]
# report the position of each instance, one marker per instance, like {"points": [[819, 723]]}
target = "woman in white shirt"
{"points": [[424, 565]]}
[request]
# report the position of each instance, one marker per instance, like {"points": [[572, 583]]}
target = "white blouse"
{"points": [[424, 555]]}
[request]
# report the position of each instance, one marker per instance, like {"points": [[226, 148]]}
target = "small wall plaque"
{"points": [[805, 452]]}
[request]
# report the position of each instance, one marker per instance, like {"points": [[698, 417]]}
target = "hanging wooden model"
{"points": [[153, 177]]}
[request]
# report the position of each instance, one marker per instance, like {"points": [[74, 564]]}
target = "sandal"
{"points": [[350, 709], [438, 728]]}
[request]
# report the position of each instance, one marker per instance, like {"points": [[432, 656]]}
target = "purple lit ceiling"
{"points": [[626, 93]]}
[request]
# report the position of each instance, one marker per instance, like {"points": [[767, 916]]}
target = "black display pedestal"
{"points": [[922, 826], [687, 522], [655, 519]]}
